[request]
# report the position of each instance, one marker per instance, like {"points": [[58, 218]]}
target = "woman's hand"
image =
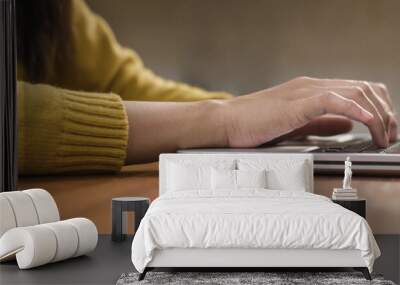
{"points": [[300, 107]]}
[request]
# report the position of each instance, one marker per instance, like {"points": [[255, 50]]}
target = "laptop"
{"points": [[331, 152]]}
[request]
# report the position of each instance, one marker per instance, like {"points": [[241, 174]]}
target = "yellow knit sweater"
{"points": [[75, 121]]}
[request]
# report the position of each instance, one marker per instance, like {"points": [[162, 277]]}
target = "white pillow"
{"points": [[251, 178], [188, 174], [282, 174], [227, 179], [223, 179], [188, 177], [297, 181]]}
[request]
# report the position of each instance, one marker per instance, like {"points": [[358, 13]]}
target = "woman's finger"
{"points": [[358, 95], [380, 104], [328, 125], [368, 87], [376, 92], [325, 126], [333, 103], [382, 91]]}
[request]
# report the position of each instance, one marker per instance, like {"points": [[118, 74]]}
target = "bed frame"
{"points": [[250, 259], [247, 259]]}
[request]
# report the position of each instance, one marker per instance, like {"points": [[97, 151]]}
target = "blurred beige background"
{"points": [[241, 46]]}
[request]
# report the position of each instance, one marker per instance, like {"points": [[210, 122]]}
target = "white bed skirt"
{"points": [[235, 257]]}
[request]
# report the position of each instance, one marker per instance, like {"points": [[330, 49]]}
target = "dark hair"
{"points": [[43, 36]]}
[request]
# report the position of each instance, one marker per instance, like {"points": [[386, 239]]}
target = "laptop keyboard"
{"points": [[394, 148], [357, 147]]}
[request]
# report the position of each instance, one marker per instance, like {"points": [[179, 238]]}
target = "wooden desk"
{"points": [[90, 195]]}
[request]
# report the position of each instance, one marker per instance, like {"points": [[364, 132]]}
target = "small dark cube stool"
{"points": [[357, 206], [139, 205]]}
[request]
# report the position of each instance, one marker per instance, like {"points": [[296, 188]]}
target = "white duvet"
{"points": [[250, 219]]}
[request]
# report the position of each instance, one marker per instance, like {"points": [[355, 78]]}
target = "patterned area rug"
{"points": [[269, 278]]}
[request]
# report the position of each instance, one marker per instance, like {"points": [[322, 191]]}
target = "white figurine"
{"points": [[347, 174], [346, 192]]}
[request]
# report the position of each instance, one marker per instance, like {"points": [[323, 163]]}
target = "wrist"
{"points": [[207, 127]]}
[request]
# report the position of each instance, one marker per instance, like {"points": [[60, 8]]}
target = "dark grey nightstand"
{"points": [[138, 205], [358, 206]]}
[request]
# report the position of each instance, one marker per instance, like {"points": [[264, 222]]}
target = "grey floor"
{"points": [[110, 260], [103, 266]]}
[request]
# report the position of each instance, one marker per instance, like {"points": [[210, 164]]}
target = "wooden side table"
{"points": [[358, 206], [138, 205]]}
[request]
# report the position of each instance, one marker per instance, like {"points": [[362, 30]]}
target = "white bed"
{"points": [[193, 224]]}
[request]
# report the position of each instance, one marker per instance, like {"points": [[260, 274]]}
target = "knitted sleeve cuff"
{"points": [[69, 131]]}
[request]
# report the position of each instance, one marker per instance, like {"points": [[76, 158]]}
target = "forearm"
{"points": [[157, 127]]}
